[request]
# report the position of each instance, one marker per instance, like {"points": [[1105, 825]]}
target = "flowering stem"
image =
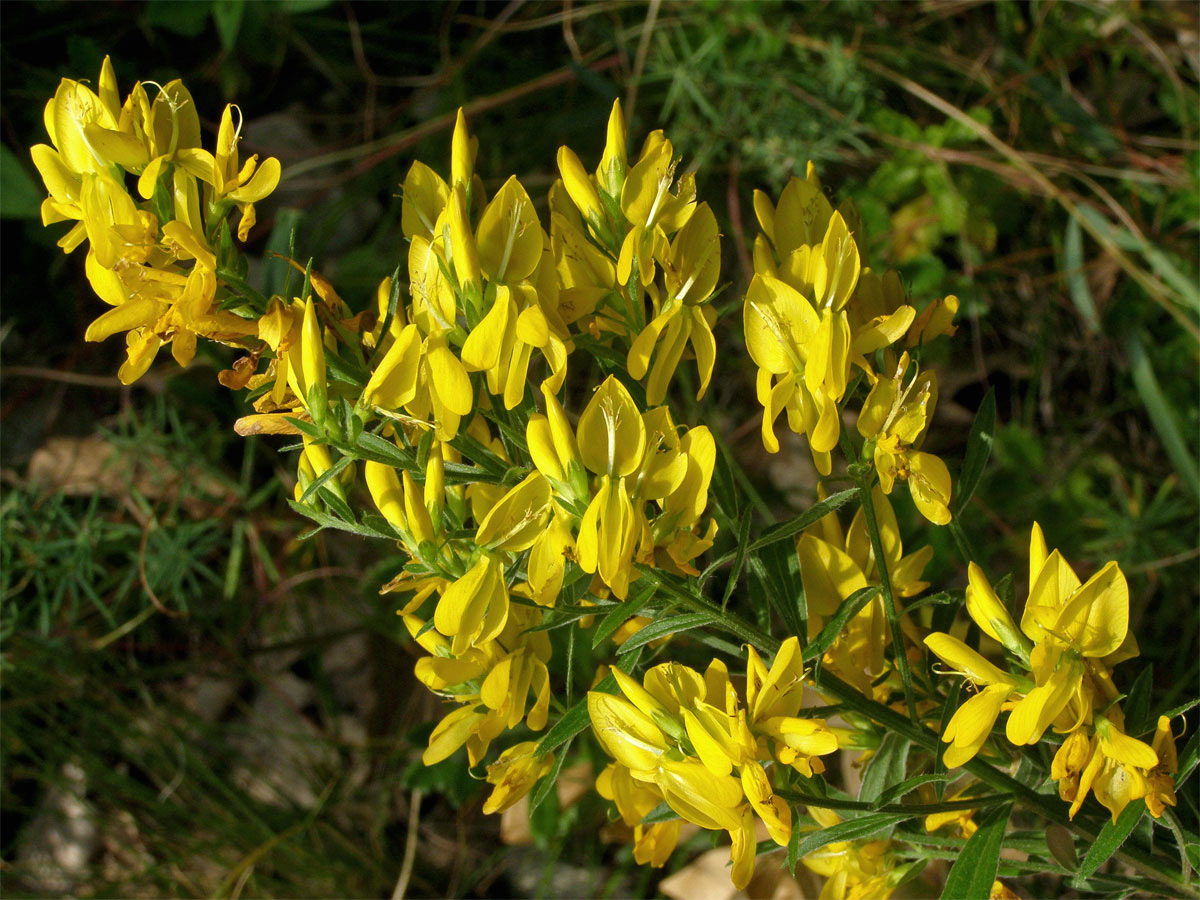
{"points": [[1154, 867], [889, 602]]}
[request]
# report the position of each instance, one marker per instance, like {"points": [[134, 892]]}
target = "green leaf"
{"points": [[477, 453], [324, 478], [849, 608], [550, 778], [1062, 846], [20, 197], [660, 813], [1162, 417], [1111, 837], [813, 514], [574, 720], [327, 521], [887, 766], [1077, 286], [227, 16], [979, 448], [381, 450], [740, 558], [898, 791], [850, 830], [793, 846], [277, 272], [974, 871], [623, 612], [1137, 704], [777, 570], [664, 627]]}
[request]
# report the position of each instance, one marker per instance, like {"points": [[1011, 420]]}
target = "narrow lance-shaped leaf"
{"points": [[1111, 837], [979, 448], [974, 871]]}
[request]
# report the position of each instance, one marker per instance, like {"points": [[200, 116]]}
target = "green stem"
{"points": [[889, 602]]}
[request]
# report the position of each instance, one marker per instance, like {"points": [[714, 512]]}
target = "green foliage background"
{"points": [[1038, 160]]}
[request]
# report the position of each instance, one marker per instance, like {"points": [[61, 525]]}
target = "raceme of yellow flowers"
{"points": [[449, 396]]}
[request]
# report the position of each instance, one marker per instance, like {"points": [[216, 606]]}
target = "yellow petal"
{"points": [[929, 484], [448, 378], [829, 575], [509, 236], [518, 518], [626, 733], [611, 435], [696, 794], [579, 186], [385, 489], [1096, 618], [481, 350], [777, 322], [424, 197], [963, 659], [989, 613], [611, 171], [837, 275], [1055, 584], [1033, 713], [462, 152], [393, 384], [971, 724], [464, 253], [801, 217]]}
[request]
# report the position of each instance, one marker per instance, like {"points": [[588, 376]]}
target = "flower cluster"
{"points": [[1070, 636], [812, 315], [500, 414], [153, 259], [686, 739]]}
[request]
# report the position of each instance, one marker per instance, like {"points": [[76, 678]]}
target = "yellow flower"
{"points": [[691, 274], [896, 416], [1161, 779], [474, 609], [612, 441], [514, 774], [972, 722]]}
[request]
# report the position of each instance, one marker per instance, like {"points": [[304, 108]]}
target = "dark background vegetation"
{"points": [[197, 703]]}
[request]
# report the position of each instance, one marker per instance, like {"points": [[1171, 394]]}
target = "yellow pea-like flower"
{"points": [[627, 734], [773, 811], [518, 519], [972, 722], [514, 774], [463, 149], [580, 188], [608, 536], [708, 800], [416, 514], [474, 609], [990, 615], [611, 172]]}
